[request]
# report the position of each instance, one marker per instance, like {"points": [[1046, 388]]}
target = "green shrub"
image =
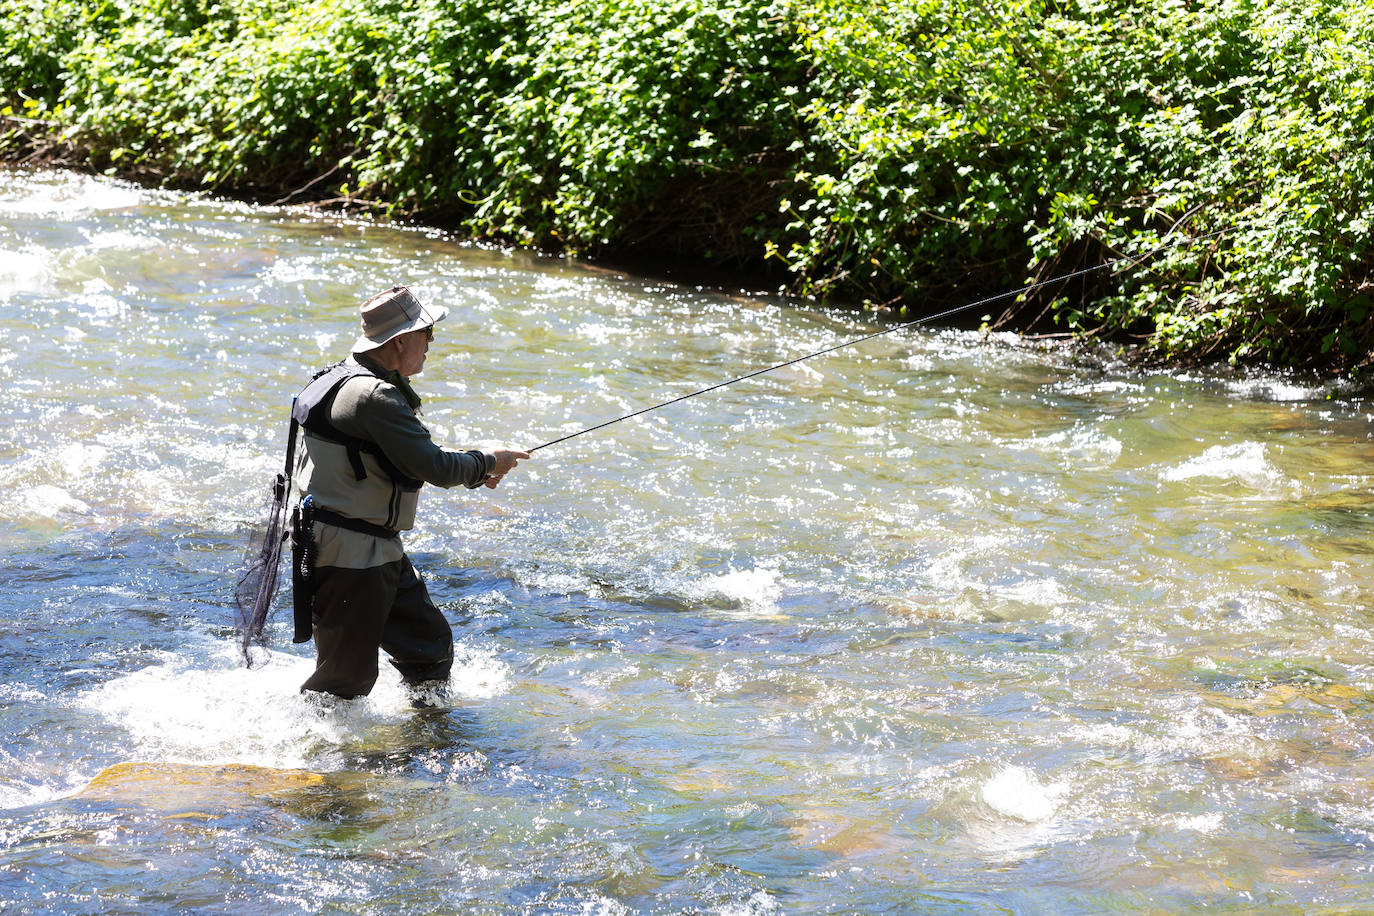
{"points": [[918, 153], [633, 121]]}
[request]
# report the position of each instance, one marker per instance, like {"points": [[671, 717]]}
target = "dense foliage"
{"points": [[910, 153]]}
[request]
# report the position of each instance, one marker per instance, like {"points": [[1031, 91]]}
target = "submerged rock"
{"points": [[185, 787]]}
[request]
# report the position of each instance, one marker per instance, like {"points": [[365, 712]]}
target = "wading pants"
{"points": [[357, 611]]}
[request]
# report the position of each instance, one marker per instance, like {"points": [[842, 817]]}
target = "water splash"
{"points": [[1016, 792], [208, 708], [1244, 462]]}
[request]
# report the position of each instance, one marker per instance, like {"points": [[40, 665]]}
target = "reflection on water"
{"points": [[936, 623]]}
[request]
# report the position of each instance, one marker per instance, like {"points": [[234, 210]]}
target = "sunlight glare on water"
{"points": [[937, 623]]}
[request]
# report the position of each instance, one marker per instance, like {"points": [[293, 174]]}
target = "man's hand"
{"points": [[506, 460]]}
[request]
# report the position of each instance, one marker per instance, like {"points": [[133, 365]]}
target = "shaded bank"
{"points": [[902, 154]]}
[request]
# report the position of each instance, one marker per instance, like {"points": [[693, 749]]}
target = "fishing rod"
{"points": [[1040, 284]]}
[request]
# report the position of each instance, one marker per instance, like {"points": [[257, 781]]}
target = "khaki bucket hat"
{"points": [[393, 313]]}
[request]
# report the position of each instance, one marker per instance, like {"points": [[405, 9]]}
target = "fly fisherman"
{"points": [[366, 456]]}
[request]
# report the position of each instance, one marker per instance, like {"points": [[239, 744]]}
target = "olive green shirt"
{"points": [[378, 411]]}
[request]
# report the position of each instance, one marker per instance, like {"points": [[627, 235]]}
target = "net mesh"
{"points": [[261, 577]]}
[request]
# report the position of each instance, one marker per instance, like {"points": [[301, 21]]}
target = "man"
{"points": [[366, 456]]}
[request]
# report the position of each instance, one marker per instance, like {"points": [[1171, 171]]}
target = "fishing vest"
{"points": [[311, 411]]}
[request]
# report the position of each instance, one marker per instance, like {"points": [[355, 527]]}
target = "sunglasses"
{"points": [[428, 332]]}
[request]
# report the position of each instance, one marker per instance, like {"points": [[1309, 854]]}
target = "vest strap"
{"points": [[311, 410], [330, 517]]}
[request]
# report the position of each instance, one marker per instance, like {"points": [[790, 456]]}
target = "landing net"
{"points": [[261, 576]]}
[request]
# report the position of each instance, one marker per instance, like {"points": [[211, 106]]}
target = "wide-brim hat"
{"points": [[393, 313]]}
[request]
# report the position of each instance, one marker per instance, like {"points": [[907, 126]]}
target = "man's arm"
{"points": [[379, 413]]}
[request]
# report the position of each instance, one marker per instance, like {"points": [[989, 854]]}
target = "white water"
{"points": [[938, 623]]}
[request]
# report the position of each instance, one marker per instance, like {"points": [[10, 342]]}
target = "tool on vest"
{"points": [[302, 568]]}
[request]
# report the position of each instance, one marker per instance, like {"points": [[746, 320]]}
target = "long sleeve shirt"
{"points": [[377, 411]]}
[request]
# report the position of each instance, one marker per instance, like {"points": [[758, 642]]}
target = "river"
{"points": [[937, 623]]}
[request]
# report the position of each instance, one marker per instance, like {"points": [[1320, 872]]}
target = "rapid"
{"points": [[943, 622]]}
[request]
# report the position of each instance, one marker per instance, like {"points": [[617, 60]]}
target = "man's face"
{"points": [[414, 345]]}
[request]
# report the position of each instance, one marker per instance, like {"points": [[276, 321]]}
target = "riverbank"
{"points": [[904, 156]]}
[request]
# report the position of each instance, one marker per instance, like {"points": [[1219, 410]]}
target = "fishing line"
{"points": [[1063, 278]]}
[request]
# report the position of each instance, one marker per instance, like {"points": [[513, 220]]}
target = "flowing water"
{"points": [[938, 623]]}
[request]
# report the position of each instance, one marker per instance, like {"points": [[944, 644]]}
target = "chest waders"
{"points": [[310, 410]]}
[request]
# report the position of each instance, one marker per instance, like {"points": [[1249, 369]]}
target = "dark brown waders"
{"points": [[357, 611]]}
